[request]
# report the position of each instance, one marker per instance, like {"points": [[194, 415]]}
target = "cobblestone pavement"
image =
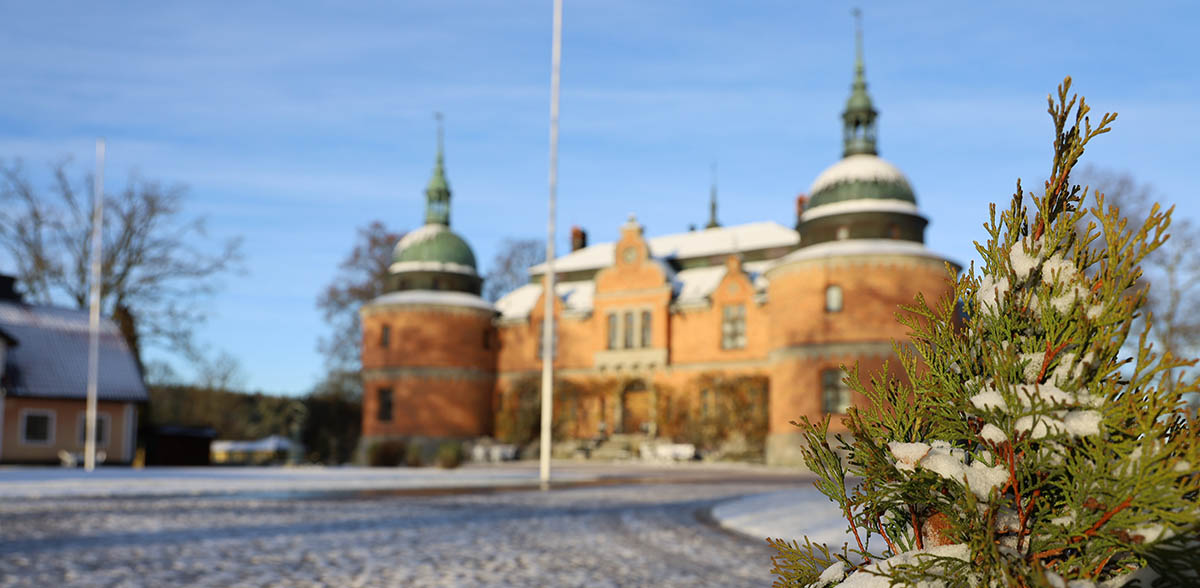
{"points": [[619, 535]]}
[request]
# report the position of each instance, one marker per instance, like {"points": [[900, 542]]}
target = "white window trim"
{"points": [[81, 429], [26, 412]]}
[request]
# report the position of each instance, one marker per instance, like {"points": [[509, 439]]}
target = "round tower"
{"points": [[429, 347], [834, 300]]}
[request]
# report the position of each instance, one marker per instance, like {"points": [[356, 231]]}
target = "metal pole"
{"points": [[548, 342], [89, 443]]}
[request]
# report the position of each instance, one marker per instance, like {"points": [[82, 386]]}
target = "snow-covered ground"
{"points": [[49, 482], [62, 482], [786, 514], [647, 532]]}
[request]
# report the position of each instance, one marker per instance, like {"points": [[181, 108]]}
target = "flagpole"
{"points": [[89, 444], [548, 341]]}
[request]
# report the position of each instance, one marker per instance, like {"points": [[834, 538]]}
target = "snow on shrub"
{"points": [[1024, 447]]}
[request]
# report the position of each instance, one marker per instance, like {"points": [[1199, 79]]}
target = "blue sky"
{"points": [[295, 123]]}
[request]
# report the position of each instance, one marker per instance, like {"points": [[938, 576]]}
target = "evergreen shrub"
{"points": [[1036, 441], [449, 455], [388, 453]]}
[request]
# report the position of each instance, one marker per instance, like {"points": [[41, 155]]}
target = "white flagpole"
{"points": [[89, 444], [548, 342]]}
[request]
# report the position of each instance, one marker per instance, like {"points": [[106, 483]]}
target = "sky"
{"points": [[293, 124]]}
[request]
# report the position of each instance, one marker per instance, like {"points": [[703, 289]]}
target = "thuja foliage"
{"points": [[1024, 448]]}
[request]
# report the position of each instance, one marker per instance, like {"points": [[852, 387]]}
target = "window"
{"points": [[103, 422], [835, 393], [384, 414], [833, 298], [628, 330], [612, 330], [385, 336], [541, 329], [646, 324], [843, 233], [733, 327], [37, 427]]}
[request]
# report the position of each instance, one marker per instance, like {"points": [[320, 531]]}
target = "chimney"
{"points": [[8, 289], [578, 238], [801, 202]]}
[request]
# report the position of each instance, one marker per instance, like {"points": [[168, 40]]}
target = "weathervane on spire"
{"points": [[858, 37], [712, 201], [438, 117]]}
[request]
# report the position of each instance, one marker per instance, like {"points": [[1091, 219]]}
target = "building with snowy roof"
{"points": [[646, 324], [43, 383]]}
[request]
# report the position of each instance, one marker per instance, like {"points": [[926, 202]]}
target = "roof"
{"points": [[708, 242], [857, 177], [854, 206], [575, 296], [690, 286], [272, 443], [434, 243], [432, 298], [50, 359], [852, 247]]}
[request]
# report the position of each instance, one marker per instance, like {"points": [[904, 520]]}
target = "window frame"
{"points": [[385, 336], [733, 326], [830, 291], [832, 384], [51, 425], [647, 333], [379, 404], [81, 428]]}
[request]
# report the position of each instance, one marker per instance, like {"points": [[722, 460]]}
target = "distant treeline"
{"points": [[328, 419]]}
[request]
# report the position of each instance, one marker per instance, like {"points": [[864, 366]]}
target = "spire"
{"points": [[859, 117], [712, 201], [437, 194]]}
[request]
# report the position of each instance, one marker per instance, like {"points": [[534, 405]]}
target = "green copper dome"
{"points": [[430, 245]]}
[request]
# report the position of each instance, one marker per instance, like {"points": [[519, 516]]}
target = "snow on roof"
{"points": [[862, 166], [717, 241], [272, 443], [431, 266], [851, 247], [421, 234], [694, 285], [576, 297], [432, 297], [866, 205], [49, 359]]}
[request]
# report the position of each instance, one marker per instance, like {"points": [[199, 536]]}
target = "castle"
{"points": [[651, 331]]}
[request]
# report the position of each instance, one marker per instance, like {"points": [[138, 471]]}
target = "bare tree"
{"points": [[510, 266], [158, 262], [1172, 271], [360, 278]]}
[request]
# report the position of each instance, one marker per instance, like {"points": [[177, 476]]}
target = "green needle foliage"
{"points": [[1024, 449]]}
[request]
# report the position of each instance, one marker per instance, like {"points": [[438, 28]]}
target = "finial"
{"points": [[437, 194], [858, 39], [438, 117], [712, 201]]}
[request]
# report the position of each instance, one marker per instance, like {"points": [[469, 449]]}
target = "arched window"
{"points": [[628, 330], [833, 298], [646, 332], [612, 330]]}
